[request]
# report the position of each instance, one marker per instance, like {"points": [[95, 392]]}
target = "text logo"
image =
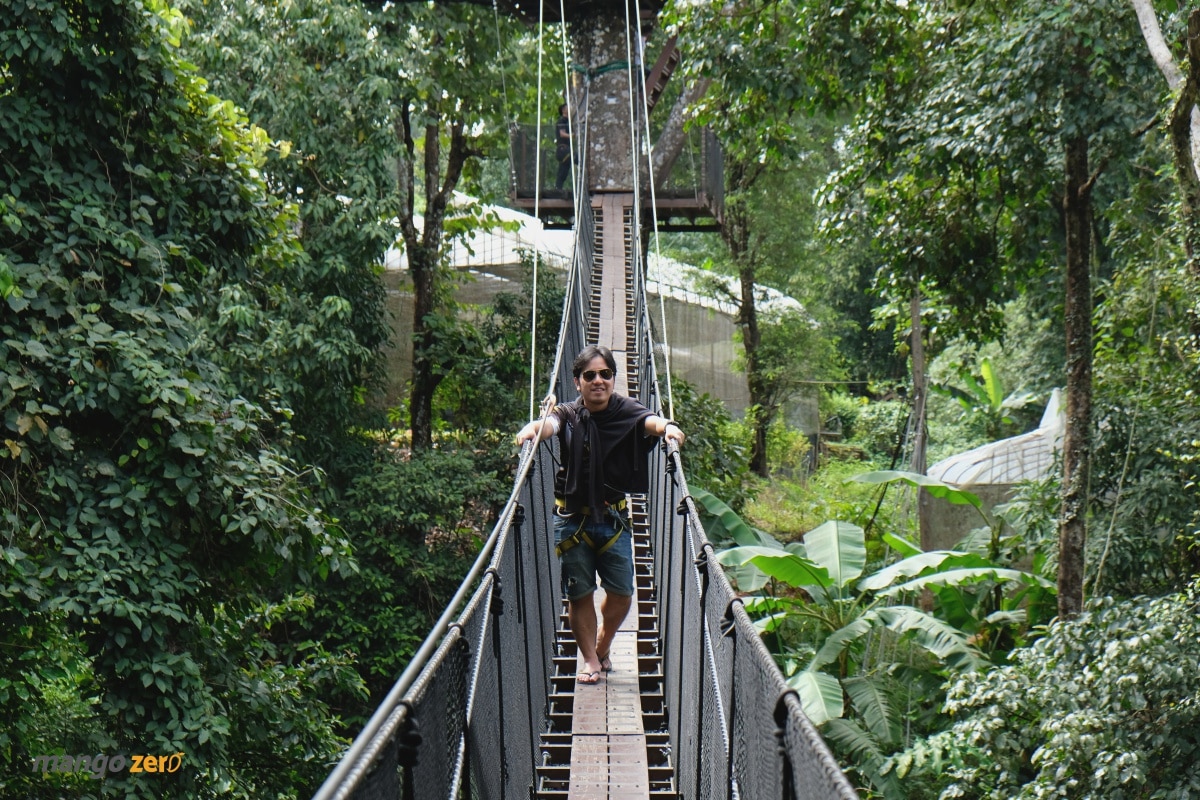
{"points": [[100, 765]]}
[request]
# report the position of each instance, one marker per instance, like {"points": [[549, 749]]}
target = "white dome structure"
{"points": [[992, 472], [1009, 461]]}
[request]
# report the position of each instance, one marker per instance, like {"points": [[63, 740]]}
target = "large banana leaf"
{"points": [[747, 577], [991, 384], [957, 577], [820, 695], [839, 640], [944, 641], [788, 567], [953, 608], [915, 565], [936, 488], [840, 548], [726, 524], [768, 612], [902, 546], [770, 623], [870, 700], [867, 758]]}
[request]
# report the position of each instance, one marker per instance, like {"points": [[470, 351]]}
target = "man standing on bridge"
{"points": [[602, 438]]}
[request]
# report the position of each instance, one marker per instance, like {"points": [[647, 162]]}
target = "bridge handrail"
{"points": [[736, 728]]}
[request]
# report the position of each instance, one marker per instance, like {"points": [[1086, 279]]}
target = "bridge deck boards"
{"points": [[608, 743], [614, 256]]}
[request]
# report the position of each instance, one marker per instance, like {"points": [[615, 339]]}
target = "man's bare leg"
{"points": [[581, 614], [613, 610]]}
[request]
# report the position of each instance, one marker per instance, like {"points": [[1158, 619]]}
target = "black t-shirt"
{"points": [[603, 453]]}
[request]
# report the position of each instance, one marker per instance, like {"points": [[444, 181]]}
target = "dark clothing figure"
{"points": [[602, 438], [604, 454], [562, 148]]}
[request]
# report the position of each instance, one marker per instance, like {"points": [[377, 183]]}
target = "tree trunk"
{"points": [[918, 464], [423, 248], [422, 267], [671, 140], [735, 232], [1161, 53], [1072, 531], [1183, 143], [760, 412], [601, 44]]}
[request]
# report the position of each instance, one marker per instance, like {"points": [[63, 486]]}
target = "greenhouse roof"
{"points": [[1026, 457]]}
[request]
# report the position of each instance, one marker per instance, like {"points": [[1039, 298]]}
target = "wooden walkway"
{"points": [[616, 729], [608, 742]]}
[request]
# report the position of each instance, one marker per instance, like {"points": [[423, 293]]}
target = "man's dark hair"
{"points": [[562, 110], [590, 352]]}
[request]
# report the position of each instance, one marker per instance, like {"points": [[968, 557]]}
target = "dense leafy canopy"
{"points": [[157, 531], [192, 320], [1074, 719]]}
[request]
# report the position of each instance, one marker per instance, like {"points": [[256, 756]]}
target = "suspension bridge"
{"points": [[695, 706]]}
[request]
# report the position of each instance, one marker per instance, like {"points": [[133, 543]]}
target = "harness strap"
{"points": [[620, 505], [580, 535]]}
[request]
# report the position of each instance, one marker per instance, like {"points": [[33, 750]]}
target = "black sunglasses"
{"points": [[590, 375]]}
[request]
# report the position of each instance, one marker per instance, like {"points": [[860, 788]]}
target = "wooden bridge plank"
{"points": [[608, 742]]}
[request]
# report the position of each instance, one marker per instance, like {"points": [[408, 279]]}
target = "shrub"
{"points": [[880, 428], [715, 456], [1104, 706]]}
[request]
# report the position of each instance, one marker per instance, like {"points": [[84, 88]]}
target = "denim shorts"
{"points": [[581, 564]]}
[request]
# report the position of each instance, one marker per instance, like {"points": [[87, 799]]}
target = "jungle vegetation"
{"points": [[208, 518]]}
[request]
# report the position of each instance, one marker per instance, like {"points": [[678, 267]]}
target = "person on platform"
{"points": [[562, 147], [603, 440]]}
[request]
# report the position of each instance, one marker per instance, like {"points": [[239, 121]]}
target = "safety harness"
{"points": [[582, 536]]}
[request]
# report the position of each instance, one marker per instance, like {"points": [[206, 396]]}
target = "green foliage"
{"points": [[1144, 467], [1103, 706], [840, 412], [715, 457], [984, 399], [842, 634], [157, 527], [789, 508], [880, 428], [315, 77], [488, 388], [789, 452], [416, 521]]}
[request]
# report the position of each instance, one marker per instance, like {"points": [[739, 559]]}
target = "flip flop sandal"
{"points": [[606, 663], [588, 678]]}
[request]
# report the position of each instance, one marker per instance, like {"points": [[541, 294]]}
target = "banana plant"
{"points": [[840, 607], [984, 397]]}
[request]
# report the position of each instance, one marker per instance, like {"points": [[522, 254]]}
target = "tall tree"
{"points": [[449, 108], [1071, 53], [1184, 115], [159, 535], [386, 107], [314, 77], [758, 61], [1017, 99]]}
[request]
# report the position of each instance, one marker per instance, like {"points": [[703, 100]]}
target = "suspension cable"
{"points": [[537, 197], [572, 121], [503, 68], [662, 306], [549, 399]]}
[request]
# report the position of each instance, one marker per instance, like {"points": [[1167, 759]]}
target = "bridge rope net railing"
{"points": [[465, 718]]}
